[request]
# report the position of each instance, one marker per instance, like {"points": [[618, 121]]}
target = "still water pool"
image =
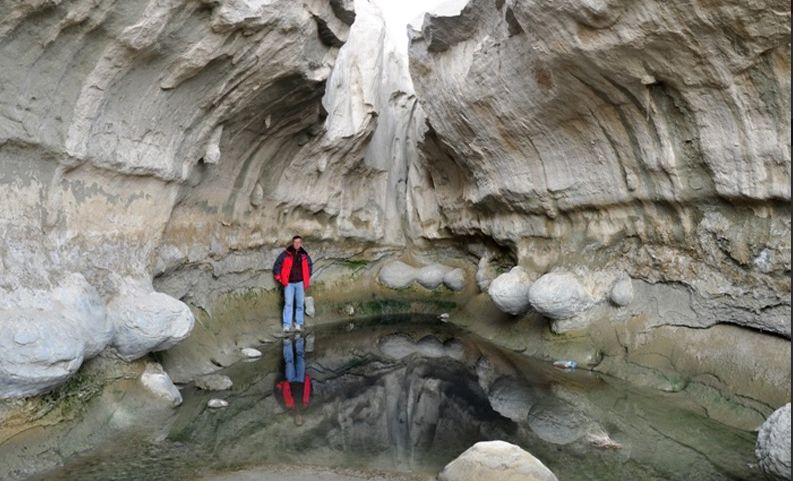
{"points": [[407, 395]]}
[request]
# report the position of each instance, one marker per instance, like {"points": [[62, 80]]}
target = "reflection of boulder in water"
{"points": [[556, 421], [512, 398], [422, 409], [399, 346]]}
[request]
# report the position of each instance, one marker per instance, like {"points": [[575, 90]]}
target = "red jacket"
{"points": [[283, 266]]}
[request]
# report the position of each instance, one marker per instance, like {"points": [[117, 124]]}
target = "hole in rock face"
{"points": [[410, 394]]}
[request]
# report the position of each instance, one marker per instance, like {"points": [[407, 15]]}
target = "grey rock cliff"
{"points": [[649, 136]]}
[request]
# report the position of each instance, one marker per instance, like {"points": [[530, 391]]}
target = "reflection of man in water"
{"points": [[296, 384]]}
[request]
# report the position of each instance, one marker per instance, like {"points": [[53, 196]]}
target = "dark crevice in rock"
{"points": [[514, 26], [326, 34], [344, 10]]}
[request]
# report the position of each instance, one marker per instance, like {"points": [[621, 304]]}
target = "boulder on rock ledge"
{"points": [[145, 320], [559, 295], [622, 292], [510, 291], [397, 275]]}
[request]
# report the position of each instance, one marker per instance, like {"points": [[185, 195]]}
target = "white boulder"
{"points": [[431, 276], [496, 460], [622, 292], [773, 445], [145, 320], [157, 381], [397, 275], [559, 295], [46, 335], [455, 279], [510, 291]]}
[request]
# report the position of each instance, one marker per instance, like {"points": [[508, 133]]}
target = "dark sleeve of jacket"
{"points": [[279, 261], [310, 265]]}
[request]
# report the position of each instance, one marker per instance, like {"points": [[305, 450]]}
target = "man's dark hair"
{"points": [[297, 237]]}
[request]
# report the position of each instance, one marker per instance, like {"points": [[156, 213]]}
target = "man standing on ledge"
{"points": [[293, 270]]}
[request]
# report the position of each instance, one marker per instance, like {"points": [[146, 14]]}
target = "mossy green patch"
{"points": [[354, 264]]}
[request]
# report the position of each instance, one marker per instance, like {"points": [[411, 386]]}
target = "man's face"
{"points": [[297, 243]]}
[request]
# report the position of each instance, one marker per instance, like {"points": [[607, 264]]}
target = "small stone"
{"points": [[257, 196], [213, 382], [484, 274], [602, 440], [309, 306], [212, 155], [250, 352], [157, 381], [444, 317], [349, 309], [217, 403]]}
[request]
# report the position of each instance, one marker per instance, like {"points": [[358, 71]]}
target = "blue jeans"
{"points": [[293, 299], [295, 369]]}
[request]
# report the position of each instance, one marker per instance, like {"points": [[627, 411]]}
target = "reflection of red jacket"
{"points": [[285, 388], [283, 266]]}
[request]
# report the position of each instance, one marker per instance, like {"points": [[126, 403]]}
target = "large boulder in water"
{"points": [[773, 445], [496, 460], [510, 291]]}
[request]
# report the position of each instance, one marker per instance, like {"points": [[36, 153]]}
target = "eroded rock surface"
{"points": [[586, 135], [165, 150]]}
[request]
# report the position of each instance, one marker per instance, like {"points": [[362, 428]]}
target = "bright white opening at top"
{"points": [[399, 13]]}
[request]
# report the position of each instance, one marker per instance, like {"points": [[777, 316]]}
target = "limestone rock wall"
{"points": [[109, 113], [155, 153], [651, 137]]}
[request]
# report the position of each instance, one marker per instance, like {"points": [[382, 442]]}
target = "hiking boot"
{"points": [[286, 329], [298, 328]]}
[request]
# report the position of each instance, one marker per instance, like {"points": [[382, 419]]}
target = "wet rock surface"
{"points": [[405, 401]]}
